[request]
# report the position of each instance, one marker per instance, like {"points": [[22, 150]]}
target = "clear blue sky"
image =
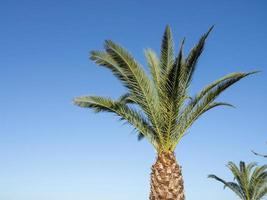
{"points": [[52, 150]]}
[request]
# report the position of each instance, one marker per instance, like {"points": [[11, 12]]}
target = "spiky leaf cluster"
{"points": [[158, 106], [250, 180]]}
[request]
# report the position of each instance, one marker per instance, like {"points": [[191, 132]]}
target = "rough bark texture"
{"points": [[166, 179]]}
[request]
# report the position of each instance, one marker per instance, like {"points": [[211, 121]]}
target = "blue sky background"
{"points": [[52, 150]]}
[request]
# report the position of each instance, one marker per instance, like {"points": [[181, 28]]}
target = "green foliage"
{"points": [[120, 108], [258, 154], [160, 106], [250, 180]]}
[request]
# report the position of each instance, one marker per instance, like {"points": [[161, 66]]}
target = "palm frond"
{"points": [[169, 97], [138, 83], [173, 77], [167, 52], [104, 59], [153, 64], [258, 180], [101, 104], [233, 77], [262, 193], [231, 185], [215, 104], [204, 101], [258, 154], [192, 59], [126, 98]]}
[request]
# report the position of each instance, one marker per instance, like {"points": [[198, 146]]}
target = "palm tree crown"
{"points": [[251, 180], [159, 108]]}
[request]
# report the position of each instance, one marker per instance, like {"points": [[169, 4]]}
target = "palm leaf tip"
{"points": [[87, 102], [167, 51], [209, 31], [93, 102], [245, 74], [168, 30], [213, 176], [140, 137], [182, 43], [216, 104], [77, 101], [218, 179], [253, 72], [228, 105]]}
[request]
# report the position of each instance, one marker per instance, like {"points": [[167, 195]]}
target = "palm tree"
{"points": [[159, 107], [251, 180]]}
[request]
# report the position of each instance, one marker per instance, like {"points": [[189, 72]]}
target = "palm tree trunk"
{"points": [[166, 179]]}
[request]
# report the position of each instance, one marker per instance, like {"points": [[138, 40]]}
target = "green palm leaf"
{"points": [[192, 59], [153, 64], [167, 52], [231, 185], [203, 102], [101, 104]]}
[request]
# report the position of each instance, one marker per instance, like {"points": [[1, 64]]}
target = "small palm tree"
{"points": [[251, 181], [159, 107]]}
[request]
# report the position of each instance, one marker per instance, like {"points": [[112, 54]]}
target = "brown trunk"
{"points": [[166, 179]]}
